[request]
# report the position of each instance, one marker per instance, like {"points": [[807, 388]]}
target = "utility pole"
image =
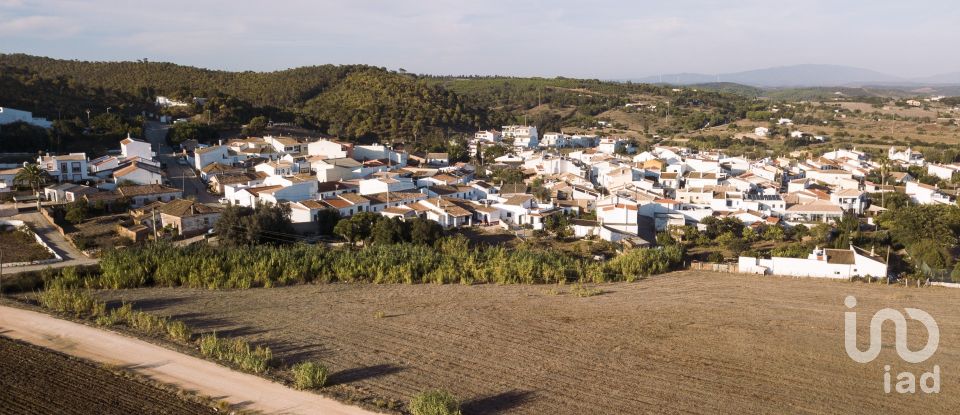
{"points": [[1, 273], [154, 223]]}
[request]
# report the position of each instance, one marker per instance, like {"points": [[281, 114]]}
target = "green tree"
{"points": [[77, 212], [256, 126], [424, 231], [387, 231], [327, 219]]}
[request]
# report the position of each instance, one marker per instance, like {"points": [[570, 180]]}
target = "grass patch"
{"points": [[435, 402], [254, 359], [309, 375]]}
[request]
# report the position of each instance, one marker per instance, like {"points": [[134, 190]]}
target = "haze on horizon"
{"points": [[596, 39]]}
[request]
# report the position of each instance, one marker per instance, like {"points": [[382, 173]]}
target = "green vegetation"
{"points": [[377, 105], [146, 323], [265, 224], [370, 227], [449, 260], [929, 233], [309, 375], [434, 402], [238, 352], [71, 301]]}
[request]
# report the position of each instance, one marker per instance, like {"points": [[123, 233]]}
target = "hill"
{"points": [[279, 89], [786, 76]]}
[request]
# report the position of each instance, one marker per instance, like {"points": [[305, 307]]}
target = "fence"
{"points": [[714, 266], [40, 241]]}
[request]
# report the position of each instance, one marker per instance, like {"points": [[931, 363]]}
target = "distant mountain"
{"points": [[786, 76], [952, 78]]}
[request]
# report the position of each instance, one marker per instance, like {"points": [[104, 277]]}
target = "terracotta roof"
{"points": [[132, 167], [839, 256], [337, 203], [312, 204], [816, 206], [206, 149], [146, 189], [518, 200], [186, 207], [262, 189]]}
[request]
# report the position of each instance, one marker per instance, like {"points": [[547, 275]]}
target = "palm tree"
{"points": [[35, 176]]}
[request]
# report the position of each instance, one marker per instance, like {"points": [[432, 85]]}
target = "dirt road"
{"points": [[167, 366]]}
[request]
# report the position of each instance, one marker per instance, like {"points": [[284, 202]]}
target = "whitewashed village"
{"points": [[604, 188]]}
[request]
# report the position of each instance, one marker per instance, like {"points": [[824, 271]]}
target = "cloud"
{"points": [[50, 27], [596, 39]]}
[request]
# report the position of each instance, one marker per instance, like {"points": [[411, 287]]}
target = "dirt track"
{"points": [[166, 366], [680, 343]]}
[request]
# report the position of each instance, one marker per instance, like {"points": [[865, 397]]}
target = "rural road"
{"points": [[164, 365]]}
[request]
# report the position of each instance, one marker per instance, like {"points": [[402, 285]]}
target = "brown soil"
{"points": [[20, 247], [686, 342], [40, 381]]}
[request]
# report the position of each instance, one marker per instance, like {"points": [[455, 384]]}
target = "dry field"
{"points": [[20, 247], [34, 380], [686, 342]]}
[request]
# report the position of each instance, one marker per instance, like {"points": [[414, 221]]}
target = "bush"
{"points": [[69, 300], [309, 375], [146, 323], [236, 351], [436, 402]]}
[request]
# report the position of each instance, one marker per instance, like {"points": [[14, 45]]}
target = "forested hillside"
{"points": [[376, 104], [60, 97], [279, 89], [354, 102]]}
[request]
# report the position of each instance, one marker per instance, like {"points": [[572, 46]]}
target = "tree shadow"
{"points": [[362, 373], [292, 353], [147, 304], [498, 403]]}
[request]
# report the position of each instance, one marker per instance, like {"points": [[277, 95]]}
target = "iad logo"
{"points": [[906, 381]]}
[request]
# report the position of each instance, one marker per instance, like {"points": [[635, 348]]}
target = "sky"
{"points": [[586, 39]]}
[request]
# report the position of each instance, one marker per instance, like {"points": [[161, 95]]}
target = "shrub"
{"points": [[309, 375], [146, 323], [435, 402], [236, 351], [580, 290], [69, 300]]}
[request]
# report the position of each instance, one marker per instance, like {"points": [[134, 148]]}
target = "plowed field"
{"points": [[686, 342], [34, 380]]}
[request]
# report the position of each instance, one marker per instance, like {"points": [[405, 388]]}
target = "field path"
{"points": [[164, 365]]}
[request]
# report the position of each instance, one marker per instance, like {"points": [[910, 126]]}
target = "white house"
{"points": [[761, 131], [65, 168], [926, 194], [275, 168], [330, 149], [943, 171], [212, 154], [8, 179], [907, 156], [522, 135], [492, 136], [386, 184], [139, 173], [821, 263], [331, 170], [10, 115], [131, 148]]}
